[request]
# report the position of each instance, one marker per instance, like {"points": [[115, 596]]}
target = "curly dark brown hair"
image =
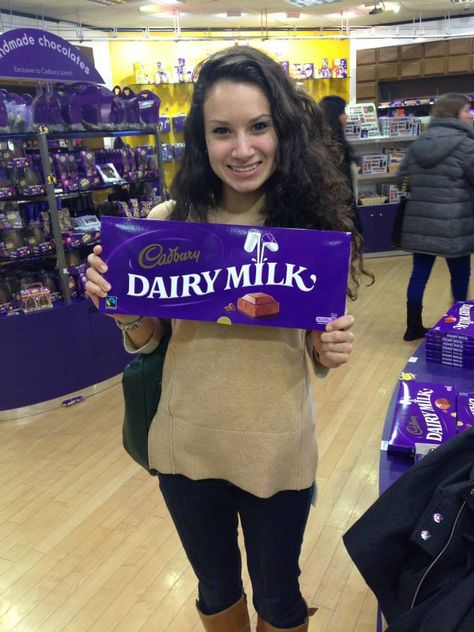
{"points": [[306, 189]]}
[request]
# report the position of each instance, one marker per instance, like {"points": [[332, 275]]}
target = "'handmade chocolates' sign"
{"points": [[225, 273]]}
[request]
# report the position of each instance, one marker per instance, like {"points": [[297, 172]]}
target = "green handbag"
{"points": [[141, 385]]}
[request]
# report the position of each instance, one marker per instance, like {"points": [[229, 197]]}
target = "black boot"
{"points": [[415, 327]]}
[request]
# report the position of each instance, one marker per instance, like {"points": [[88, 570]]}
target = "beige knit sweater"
{"points": [[236, 401]]}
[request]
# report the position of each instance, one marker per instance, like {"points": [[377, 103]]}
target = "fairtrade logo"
{"points": [[111, 302]]}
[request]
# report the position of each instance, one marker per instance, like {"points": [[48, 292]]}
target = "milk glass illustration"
{"points": [[260, 242]]}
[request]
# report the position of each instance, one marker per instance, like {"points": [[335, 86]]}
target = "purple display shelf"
{"points": [[392, 466], [52, 353]]}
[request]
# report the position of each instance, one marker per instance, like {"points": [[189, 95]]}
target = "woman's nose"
{"points": [[242, 146]]}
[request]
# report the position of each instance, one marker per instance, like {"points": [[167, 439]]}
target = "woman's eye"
{"points": [[220, 130], [260, 126]]}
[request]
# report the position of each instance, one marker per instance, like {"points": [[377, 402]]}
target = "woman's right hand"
{"points": [[96, 286]]}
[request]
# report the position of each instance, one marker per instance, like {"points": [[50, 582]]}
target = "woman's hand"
{"points": [[96, 286], [333, 346]]}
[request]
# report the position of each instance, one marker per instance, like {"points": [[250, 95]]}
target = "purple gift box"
{"points": [[425, 415], [225, 273], [465, 410]]}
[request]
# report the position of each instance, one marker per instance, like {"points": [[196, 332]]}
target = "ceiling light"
{"points": [[305, 4], [234, 13], [149, 8], [292, 15]]}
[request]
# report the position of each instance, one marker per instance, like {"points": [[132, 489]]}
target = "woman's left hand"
{"points": [[333, 346]]}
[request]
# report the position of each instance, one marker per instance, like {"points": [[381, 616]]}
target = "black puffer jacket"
{"points": [[439, 217]]}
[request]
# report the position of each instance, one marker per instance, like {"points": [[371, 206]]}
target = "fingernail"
{"points": [[103, 268], [107, 287]]}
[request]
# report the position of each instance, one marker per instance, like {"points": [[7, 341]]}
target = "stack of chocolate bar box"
{"points": [[451, 341]]}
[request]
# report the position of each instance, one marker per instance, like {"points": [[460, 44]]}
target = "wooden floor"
{"points": [[86, 544]]}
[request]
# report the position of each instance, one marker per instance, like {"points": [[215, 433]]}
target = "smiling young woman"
{"points": [[233, 437]]}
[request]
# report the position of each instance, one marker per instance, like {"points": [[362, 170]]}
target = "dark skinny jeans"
{"points": [[459, 268], [206, 512]]}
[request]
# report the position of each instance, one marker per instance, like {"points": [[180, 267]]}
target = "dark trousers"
{"points": [[205, 513], [459, 268]]}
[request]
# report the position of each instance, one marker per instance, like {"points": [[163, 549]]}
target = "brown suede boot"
{"points": [[234, 619], [263, 626]]}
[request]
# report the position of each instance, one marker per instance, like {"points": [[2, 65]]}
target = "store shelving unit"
{"points": [[53, 193], [377, 219], [49, 354]]}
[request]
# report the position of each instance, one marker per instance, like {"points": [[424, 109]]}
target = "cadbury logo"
{"points": [[154, 255], [414, 428]]}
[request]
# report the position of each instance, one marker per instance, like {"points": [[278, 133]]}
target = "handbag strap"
{"points": [[404, 187]]}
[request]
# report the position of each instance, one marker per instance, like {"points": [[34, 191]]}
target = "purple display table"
{"points": [[392, 466], [51, 353]]}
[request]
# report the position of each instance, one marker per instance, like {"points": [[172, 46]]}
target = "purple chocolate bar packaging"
{"points": [[228, 274], [458, 322], [465, 409], [425, 414]]}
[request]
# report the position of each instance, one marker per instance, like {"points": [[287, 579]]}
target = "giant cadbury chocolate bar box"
{"points": [[458, 322], [425, 415], [225, 273]]}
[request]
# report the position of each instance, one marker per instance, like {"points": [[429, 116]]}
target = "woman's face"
{"points": [[241, 139], [465, 115]]}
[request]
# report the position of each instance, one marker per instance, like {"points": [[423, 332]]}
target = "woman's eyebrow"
{"points": [[252, 120]]}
